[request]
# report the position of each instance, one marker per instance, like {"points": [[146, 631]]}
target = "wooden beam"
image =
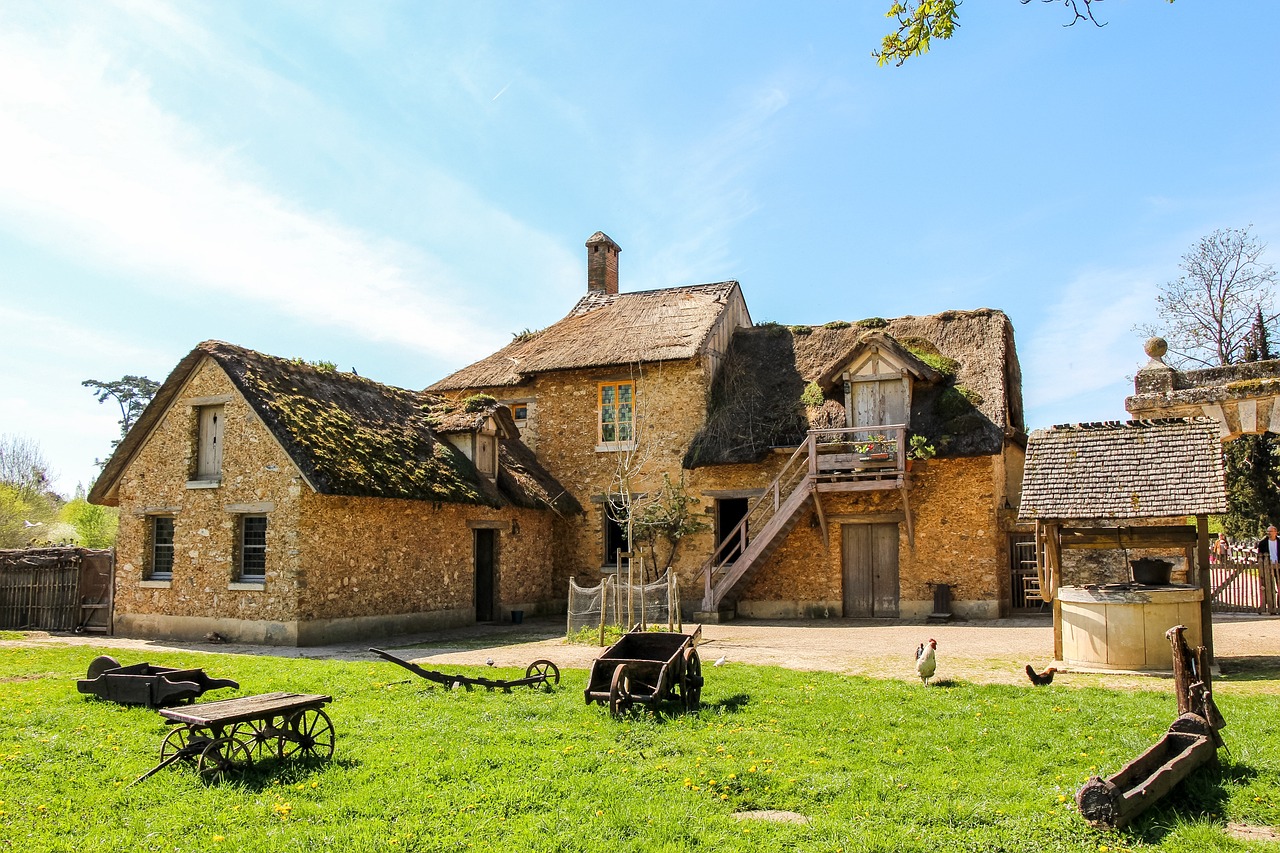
{"points": [[1165, 536], [822, 520], [906, 511], [1206, 584]]}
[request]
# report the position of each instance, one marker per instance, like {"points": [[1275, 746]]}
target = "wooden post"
{"points": [[604, 605], [1205, 578]]}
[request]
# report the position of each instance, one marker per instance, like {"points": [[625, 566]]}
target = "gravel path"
{"points": [[1248, 648]]}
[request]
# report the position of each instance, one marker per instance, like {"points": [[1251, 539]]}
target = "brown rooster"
{"points": [[1040, 679]]}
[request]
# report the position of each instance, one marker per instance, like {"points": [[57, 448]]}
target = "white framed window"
{"points": [[159, 565], [251, 556]]}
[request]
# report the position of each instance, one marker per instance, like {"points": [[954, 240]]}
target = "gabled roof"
{"points": [[967, 400], [346, 434], [604, 330], [1136, 469], [877, 340]]}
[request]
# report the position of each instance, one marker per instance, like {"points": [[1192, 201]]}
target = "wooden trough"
{"points": [[1192, 741]]}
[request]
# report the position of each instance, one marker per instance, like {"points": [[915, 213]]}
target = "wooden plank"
{"points": [[1128, 537], [886, 582], [855, 557], [243, 708]]}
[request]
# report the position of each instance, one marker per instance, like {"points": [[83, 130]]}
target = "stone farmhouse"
{"points": [[795, 441], [271, 500]]}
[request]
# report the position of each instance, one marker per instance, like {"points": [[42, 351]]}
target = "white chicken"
{"points": [[927, 660]]}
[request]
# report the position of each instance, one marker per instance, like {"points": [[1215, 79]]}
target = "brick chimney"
{"points": [[602, 264]]}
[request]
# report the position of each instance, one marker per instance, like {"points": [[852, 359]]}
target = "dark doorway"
{"points": [[729, 511], [870, 558], [615, 539], [486, 549]]}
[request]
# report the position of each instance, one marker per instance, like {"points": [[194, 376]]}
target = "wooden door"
{"points": [[878, 401], [869, 556], [209, 455], [486, 542]]}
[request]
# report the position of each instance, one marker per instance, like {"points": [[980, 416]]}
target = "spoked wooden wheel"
{"points": [[222, 758], [691, 681], [307, 733], [259, 737], [548, 671], [619, 692], [179, 740]]}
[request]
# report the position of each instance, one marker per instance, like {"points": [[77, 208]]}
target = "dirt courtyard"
{"points": [[995, 652]]}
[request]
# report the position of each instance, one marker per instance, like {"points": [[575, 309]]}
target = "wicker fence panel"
{"points": [[40, 588]]}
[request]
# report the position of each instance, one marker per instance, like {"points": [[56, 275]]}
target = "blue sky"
{"points": [[399, 187]]}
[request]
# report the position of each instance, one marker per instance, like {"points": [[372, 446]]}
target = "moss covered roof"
{"points": [[967, 398], [606, 329], [347, 435]]}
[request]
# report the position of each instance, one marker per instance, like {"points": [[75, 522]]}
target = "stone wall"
{"points": [[375, 556], [958, 541], [336, 568], [670, 408], [203, 594]]}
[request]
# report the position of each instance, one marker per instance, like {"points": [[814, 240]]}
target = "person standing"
{"points": [[1218, 552], [1270, 547], [1268, 556]]}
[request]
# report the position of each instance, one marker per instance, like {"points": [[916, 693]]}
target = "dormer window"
{"points": [[487, 451]]}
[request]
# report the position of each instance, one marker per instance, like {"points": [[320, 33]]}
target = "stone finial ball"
{"points": [[1156, 347]]}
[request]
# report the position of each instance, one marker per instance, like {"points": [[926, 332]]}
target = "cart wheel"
{"points": [[308, 733], [619, 694], [101, 664], [691, 682], [180, 740], [222, 758], [550, 672], [259, 737]]}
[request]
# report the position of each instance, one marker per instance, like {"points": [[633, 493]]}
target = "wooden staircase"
{"points": [[829, 460]]}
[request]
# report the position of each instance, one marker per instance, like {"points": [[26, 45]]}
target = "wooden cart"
{"points": [[647, 667], [540, 673], [144, 684], [226, 737]]}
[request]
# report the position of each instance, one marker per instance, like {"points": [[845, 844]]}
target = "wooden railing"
{"points": [[827, 457], [1244, 583]]}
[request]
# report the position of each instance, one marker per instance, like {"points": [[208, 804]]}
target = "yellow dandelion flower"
{"points": [[217, 839]]}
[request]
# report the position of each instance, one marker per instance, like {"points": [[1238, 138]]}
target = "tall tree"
{"points": [[1253, 475], [1217, 313], [1220, 304], [27, 502], [131, 393]]}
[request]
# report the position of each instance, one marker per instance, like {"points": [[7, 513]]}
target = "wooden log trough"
{"points": [[1191, 742]]}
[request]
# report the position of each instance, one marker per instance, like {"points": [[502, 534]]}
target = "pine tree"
{"points": [[1253, 475]]}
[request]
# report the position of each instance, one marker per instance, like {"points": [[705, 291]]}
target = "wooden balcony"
{"points": [[861, 459]]}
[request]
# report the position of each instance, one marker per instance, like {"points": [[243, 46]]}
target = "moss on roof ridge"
{"points": [[351, 435]]}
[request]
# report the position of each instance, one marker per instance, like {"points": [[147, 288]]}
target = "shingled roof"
{"points": [[968, 402], [1134, 469], [348, 435], [606, 329]]}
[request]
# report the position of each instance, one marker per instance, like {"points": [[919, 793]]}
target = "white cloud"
{"points": [[91, 164], [1085, 343]]}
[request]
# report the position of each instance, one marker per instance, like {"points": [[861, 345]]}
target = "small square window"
{"points": [[161, 563], [253, 548], [520, 411]]}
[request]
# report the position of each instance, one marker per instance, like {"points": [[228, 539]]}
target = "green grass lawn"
{"points": [[874, 765]]}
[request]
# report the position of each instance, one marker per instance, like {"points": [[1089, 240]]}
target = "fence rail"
{"points": [[55, 589], [1243, 583]]}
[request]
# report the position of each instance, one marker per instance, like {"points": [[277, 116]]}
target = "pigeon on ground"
{"points": [[720, 660]]}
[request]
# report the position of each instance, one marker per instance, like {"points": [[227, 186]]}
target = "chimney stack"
{"points": [[602, 264]]}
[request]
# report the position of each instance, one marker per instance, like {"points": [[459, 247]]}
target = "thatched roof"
{"points": [[1137, 469], [347, 435], [603, 330], [967, 399]]}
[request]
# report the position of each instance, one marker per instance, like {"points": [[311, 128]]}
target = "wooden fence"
{"points": [[1243, 583], [56, 589]]}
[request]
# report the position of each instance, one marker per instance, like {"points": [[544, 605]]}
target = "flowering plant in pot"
{"points": [[919, 448]]}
